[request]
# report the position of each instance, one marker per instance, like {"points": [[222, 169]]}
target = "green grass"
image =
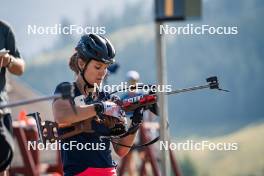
{"points": [[248, 160]]}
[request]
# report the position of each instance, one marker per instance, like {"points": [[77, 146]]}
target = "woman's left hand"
{"points": [[110, 122]]}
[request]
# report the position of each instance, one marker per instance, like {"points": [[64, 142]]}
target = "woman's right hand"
{"points": [[111, 109]]}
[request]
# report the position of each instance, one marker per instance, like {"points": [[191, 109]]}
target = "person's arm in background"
{"points": [[12, 60], [14, 65]]}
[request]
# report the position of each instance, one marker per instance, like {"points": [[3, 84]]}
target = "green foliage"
{"points": [[187, 167]]}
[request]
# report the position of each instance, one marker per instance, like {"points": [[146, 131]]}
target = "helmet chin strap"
{"points": [[87, 85]]}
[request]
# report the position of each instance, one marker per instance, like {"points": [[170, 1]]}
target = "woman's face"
{"points": [[95, 71]]}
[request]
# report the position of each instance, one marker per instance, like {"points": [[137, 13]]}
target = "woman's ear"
{"points": [[81, 64]]}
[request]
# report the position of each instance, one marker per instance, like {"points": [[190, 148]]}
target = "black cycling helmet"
{"points": [[92, 46]]}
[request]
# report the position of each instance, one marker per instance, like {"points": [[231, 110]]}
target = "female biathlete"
{"points": [[93, 55]]}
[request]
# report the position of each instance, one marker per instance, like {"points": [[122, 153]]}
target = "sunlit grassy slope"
{"points": [[248, 160]]}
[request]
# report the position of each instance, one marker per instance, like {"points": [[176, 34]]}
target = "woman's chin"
{"points": [[98, 82]]}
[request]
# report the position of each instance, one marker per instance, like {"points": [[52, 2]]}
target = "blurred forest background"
{"points": [[236, 59]]}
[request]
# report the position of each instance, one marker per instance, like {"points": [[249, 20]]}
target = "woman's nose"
{"points": [[102, 73]]}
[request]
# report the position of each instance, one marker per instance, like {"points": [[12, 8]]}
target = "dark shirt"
{"points": [[7, 41], [76, 161]]}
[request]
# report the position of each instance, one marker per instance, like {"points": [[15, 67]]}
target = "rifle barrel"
{"points": [[19, 103], [188, 89]]}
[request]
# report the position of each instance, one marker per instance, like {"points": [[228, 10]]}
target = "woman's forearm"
{"points": [[64, 113], [129, 140]]}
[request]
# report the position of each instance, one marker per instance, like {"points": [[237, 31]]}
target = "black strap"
{"points": [[137, 146], [87, 84], [130, 131]]}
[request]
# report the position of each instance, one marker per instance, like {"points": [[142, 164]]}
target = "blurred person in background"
{"points": [[10, 61]]}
